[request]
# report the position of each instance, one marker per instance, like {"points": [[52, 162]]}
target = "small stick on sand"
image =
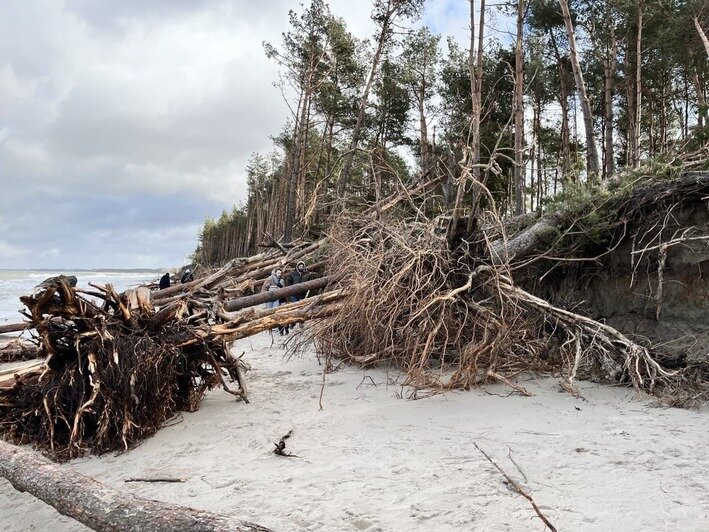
{"points": [[519, 489], [153, 480]]}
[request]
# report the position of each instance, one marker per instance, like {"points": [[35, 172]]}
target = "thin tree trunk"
{"points": [[592, 165], [349, 160], [475, 71], [423, 131], [702, 34], [565, 136], [519, 169], [609, 64], [638, 86], [703, 109]]}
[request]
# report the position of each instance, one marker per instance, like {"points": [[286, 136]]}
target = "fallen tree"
{"points": [[454, 312], [114, 372], [13, 327], [450, 311], [101, 507]]}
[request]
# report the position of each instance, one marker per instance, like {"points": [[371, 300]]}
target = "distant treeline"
{"points": [[507, 115]]}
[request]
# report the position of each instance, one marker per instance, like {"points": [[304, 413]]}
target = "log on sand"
{"points": [[101, 507], [13, 327]]}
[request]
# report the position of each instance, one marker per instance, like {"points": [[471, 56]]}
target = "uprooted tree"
{"points": [[449, 308]]}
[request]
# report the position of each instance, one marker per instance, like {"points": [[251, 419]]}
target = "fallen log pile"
{"points": [[115, 370], [449, 309]]}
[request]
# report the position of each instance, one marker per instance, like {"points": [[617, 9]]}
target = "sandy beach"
{"points": [[372, 460]]}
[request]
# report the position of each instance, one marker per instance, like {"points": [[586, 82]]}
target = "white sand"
{"points": [[373, 461]]}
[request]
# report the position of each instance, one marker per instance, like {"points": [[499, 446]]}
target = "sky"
{"points": [[125, 123]]}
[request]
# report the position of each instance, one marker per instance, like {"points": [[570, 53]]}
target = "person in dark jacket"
{"points": [[297, 276], [187, 276], [165, 281], [274, 282]]}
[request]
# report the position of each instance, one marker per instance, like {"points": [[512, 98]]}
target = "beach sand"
{"points": [[371, 460]]}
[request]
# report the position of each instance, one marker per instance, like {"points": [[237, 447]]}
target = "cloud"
{"points": [[10, 251], [124, 124]]}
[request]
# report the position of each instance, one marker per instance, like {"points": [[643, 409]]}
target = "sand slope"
{"points": [[373, 461]]}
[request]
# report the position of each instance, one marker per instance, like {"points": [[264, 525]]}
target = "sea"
{"points": [[16, 283]]}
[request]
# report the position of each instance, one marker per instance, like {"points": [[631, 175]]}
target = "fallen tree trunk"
{"points": [[14, 327], [252, 321], [101, 507], [18, 351], [653, 195], [275, 295]]}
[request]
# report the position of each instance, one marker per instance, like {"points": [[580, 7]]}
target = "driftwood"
{"points": [[13, 327], [100, 507]]}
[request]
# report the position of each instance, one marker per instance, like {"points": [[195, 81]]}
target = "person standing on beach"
{"points": [[297, 276], [165, 281], [274, 282], [187, 276]]}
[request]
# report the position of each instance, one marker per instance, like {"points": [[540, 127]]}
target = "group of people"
{"points": [[299, 275], [165, 279]]}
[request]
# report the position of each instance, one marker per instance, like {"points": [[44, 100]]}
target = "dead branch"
{"points": [[519, 489]]}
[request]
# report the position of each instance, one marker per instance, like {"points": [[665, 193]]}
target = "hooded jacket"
{"points": [[272, 283], [297, 275]]}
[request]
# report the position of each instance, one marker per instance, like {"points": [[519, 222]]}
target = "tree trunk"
{"points": [[609, 70], [349, 159], [98, 506], [702, 34], [519, 169], [539, 234], [297, 159], [565, 136], [275, 295], [13, 327], [630, 97], [703, 108], [592, 165], [423, 131], [638, 86], [475, 71], [255, 320]]}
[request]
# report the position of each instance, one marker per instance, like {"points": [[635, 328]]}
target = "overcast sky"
{"points": [[124, 123]]}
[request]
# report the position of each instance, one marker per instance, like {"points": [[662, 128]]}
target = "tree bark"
{"points": [[609, 70], [100, 507], [702, 34], [275, 295], [476, 76], [519, 169], [592, 165], [13, 327], [638, 87], [253, 320], [565, 135]]}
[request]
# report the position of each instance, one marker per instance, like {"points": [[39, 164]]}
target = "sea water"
{"points": [[16, 283]]}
